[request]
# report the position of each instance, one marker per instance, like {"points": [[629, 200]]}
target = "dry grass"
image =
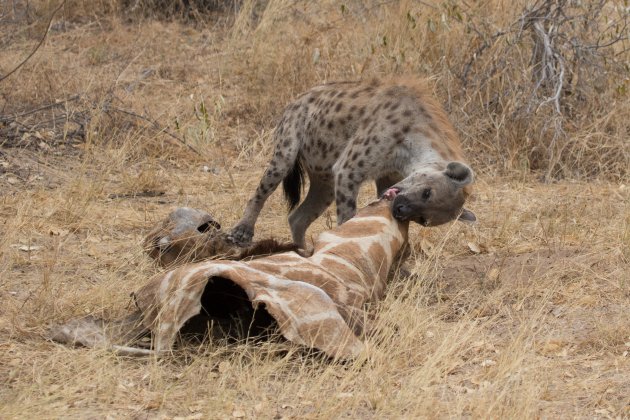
{"points": [[533, 323]]}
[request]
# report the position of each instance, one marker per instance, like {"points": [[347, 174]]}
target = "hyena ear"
{"points": [[467, 216], [459, 173]]}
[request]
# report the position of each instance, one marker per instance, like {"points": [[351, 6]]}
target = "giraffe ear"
{"points": [[467, 216], [459, 173]]}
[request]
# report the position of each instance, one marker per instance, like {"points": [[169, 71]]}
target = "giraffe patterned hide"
{"points": [[315, 301]]}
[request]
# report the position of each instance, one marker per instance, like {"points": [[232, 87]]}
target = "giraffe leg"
{"points": [[320, 196]]}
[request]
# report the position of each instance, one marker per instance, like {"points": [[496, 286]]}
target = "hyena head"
{"points": [[434, 196]]}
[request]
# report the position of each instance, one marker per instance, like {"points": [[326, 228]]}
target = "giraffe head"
{"points": [[434, 196], [190, 235], [182, 236]]}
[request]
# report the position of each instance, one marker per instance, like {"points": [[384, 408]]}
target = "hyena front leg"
{"points": [[283, 160], [348, 179]]}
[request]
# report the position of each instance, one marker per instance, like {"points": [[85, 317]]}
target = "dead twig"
{"points": [[545, 23], [484, 46], [155, 125], [14, 126], [139, 194], [552, 66], [39, 44], [45, 107]]}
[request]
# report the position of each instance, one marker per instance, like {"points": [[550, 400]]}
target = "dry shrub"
{"points": [[195, 11], [189, 10], [558, 74], [75, 10]]}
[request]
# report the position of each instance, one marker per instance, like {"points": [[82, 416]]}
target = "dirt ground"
{"points": [[523, 315]]}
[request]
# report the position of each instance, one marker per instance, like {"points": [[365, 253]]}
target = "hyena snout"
{"points": [[434, 197], [415, 208], [402, 208]]}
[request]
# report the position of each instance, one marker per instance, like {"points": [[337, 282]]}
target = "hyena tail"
{"points": [[292, 183]]}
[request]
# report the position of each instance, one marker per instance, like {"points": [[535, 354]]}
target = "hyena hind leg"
{"points": [[281, 164]]}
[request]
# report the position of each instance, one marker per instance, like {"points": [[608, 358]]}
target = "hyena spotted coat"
{"points": [[343, 134]]}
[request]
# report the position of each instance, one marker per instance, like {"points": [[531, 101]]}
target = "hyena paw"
{"points": [[242, 234]]}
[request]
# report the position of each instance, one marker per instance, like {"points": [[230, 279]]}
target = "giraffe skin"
{"points": [[316, 301]]}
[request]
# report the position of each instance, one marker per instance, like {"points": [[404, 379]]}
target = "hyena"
{"points": [[342, 134]]}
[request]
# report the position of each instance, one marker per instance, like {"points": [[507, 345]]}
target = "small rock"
{"points": [[29, 248], [474, 248]]}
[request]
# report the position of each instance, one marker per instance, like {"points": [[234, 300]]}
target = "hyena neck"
{"points": [[369, 242]]}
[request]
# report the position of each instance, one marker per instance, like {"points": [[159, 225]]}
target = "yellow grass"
{"points": [[523, 315]]}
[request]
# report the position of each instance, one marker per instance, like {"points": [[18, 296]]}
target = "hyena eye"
{"points": [[426, 193]]}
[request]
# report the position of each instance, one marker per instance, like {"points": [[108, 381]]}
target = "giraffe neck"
{"points": [[362, 249]]}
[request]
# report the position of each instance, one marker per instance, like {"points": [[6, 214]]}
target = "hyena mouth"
{"points": [[390, 194], [421, 220]]}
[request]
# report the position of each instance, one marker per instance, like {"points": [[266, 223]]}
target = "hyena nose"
{"points": [[402, 208], [402, 211]]}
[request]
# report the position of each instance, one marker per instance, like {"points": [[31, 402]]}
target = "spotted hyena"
{"points": [[343, 134]]}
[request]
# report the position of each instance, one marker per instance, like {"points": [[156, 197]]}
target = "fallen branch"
{"points": [[15, 125], [49, 106], [139, 194]]}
